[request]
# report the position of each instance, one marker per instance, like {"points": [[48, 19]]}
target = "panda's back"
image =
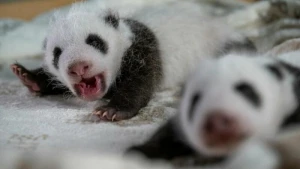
{"points": [[185, 34]]}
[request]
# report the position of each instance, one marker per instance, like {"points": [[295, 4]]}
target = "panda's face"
{"points": [[233, 98], [84, 51]]}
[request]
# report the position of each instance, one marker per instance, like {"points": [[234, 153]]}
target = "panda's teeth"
{"points": [[82, 85], [98, 80]]}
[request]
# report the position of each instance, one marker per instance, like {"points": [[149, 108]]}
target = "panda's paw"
{"points": [[108, 113], [25, 76]]}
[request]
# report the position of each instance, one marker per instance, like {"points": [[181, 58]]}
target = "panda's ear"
{"points": [[112, 19]]}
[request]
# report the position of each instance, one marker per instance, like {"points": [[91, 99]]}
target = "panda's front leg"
{"points": [[131, 92], [125, 102], [139, 76], [38, 81]]}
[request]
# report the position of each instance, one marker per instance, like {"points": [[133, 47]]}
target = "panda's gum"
{"points": [[89, 88]]}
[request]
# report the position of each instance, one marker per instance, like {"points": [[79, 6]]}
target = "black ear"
{"points": [[112, 19]]}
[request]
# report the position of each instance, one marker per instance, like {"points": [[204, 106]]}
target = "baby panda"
{"points": [[99, 54], [225, 102]]}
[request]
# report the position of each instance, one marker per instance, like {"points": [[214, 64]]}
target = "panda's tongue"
{"points": [[89, 89]]}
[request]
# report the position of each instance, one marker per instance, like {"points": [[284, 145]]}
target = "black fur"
{"points": [[140, 72], [294, 117], [237, 46], [56, 54], [275, 70], [169, 144], [97, 42], [164, 144], [112, 20]]}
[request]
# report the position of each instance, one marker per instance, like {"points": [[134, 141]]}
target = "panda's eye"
{"points": [[97, 42], [249, 93], [195, 99], [56, 53], [275, 70]]}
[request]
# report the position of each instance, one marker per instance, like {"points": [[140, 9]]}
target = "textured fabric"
{"points": [[29, 122]]}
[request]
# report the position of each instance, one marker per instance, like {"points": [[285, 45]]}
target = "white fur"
{"points": [[185, 36], [70, 33], [279, 152], [254, 154], [215, 80]]}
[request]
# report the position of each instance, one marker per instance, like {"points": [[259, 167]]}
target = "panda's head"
{"points": [[84, 51], [233, 98]]}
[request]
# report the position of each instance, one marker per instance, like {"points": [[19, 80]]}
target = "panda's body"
{"points": [[186, 38], [225, 102], [125, 59]]}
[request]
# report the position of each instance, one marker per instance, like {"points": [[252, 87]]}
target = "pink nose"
{"points": [[79, 69], [219, 126]]}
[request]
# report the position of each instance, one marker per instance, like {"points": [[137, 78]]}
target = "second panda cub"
{"points": [[225, 102], [96, 55]]}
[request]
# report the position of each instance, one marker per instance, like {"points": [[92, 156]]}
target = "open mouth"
{"points": [[224, 141], [91, 88]]}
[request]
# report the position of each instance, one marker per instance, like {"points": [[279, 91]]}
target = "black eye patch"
{"points": [[194, 100], [97, 42], [56, 53], [275, 70], [249, 93]]}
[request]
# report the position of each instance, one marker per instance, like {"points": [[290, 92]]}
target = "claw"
{"points": [[104, 114], [14, 70], [24, 74], [96, 112], [13, 67], [113, 117]]}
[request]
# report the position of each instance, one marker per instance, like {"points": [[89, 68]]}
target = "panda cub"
{"points": [[225, 102], [125, 59]]}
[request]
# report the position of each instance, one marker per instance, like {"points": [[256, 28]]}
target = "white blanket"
{"points": [[29, 122]]}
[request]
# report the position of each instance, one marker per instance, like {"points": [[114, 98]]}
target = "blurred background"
{"points": [[28, 9]]}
